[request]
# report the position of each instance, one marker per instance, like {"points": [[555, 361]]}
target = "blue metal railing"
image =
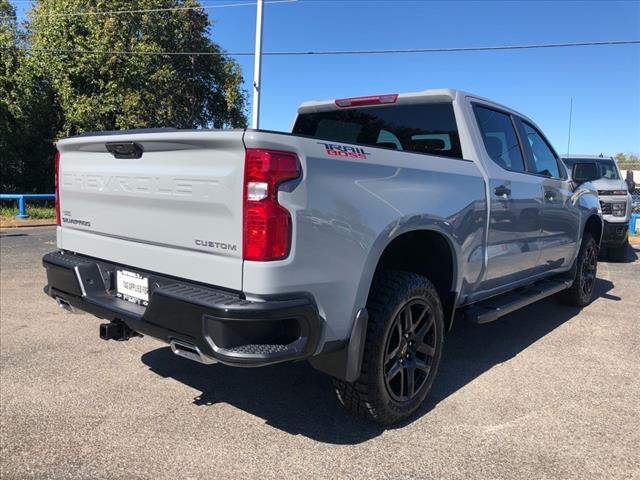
{"points": [[22, 200]]}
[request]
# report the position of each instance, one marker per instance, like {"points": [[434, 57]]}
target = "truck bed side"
{"points": [[346, 211]]}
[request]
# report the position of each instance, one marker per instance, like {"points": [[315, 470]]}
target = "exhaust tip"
{"points": [[187, 350]]}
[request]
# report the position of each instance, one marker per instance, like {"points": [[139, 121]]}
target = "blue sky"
{"points": [[604, 81]]}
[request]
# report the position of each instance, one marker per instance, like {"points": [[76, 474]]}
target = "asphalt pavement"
{"points": [[547, 392]]}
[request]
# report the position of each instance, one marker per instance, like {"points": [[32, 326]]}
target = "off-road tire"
{"points": [[373, 395], [580, 294]]}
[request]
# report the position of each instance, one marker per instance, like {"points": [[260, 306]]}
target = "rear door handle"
{"points": [[502, 191]]}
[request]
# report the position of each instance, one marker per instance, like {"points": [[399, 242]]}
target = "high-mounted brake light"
{"points": [[370, 100], [267, 224], [56, 173]]}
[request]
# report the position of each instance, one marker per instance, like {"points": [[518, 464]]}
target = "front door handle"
{"points": [[502, 191], [548, 194]]}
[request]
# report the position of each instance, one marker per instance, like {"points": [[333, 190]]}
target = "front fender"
{"points": [[585, 198]]}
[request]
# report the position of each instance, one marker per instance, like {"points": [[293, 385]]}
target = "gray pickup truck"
{"points": [[352, 242]]}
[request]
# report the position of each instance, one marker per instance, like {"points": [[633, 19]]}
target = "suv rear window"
{"points": [[428, 128]]}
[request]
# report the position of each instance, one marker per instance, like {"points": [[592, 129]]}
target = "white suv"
{"points": [[615, 201]]}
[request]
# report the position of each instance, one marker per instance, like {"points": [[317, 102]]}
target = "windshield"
{"points": [[608, 169], [607, 166]]}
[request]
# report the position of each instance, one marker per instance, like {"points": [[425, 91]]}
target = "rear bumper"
{"points": [[222, 325], [614, 233]]}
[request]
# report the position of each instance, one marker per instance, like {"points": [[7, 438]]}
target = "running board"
{"points": [[500, 305]]}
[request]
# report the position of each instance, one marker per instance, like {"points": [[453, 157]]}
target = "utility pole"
{"points": [[570, 115], [257, 63]]}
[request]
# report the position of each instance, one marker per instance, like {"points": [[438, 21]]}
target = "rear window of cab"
{"points": [[428, 128]]}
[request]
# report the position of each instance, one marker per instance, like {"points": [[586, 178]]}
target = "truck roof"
{"points": [[586, 157], [424, 96]]}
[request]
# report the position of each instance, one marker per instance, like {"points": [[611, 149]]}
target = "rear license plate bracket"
{"points": [[132, 287]]}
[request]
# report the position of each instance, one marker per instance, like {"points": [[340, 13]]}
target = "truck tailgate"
{"points": [[175, 210]]}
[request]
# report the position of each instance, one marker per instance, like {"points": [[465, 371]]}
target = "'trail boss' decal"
{"points": [[346, 151]]}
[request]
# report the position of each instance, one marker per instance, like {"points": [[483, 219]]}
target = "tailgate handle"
{"points": [[124, 149]]}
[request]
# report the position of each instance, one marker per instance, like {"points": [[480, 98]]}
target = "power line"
{"points": [[337, 52], [151, 10]]}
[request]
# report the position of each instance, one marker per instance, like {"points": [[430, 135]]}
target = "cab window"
{"points": [[543, 159], [428, 128], [500, 139]]}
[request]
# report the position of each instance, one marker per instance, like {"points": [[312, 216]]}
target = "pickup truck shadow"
{"points": [[631, 254], [299, 400]]}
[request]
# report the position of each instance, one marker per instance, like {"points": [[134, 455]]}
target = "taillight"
{"points": [[370, 100], [267, 224], [56, 162]]}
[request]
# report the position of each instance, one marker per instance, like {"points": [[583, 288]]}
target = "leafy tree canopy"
{"points": [[628, 160], [30, 117], [47, 95]]}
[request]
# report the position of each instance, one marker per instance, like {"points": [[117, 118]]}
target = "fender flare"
{"points": [[343, 359]]}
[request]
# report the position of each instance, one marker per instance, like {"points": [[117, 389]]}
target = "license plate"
{"points": [[132, 287]]}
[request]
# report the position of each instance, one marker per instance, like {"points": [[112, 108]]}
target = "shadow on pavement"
{"points": [[630, 257], [3, 235], [299, 400], [632, 253]]}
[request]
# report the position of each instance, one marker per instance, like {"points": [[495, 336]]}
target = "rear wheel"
{"points": [[403, 347], [581, 292]]}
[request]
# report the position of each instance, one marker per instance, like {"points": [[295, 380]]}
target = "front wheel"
{"points": [[403, 348], [581, 292]]}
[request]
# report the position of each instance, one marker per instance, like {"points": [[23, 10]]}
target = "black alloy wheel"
{"points": [[409, 351], [403, 348], [588, 270], [582, 289]]}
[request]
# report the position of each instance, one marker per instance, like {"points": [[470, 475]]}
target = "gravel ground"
{"points": [[546, 392]]}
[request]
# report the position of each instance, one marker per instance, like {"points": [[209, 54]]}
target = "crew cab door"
{"points": [[560, 219], [515, 203]]}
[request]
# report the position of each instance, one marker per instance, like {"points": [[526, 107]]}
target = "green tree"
{"points": [[9, 128], [630, 160], [105, 91], [52, 90], [30, 116]]}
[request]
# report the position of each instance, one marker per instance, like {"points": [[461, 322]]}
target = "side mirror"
{"points": [[631, 185], [585, 172]]}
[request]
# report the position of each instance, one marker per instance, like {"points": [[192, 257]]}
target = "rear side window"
{"points": [[544, 160], [428, 128], [500, 139]]}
